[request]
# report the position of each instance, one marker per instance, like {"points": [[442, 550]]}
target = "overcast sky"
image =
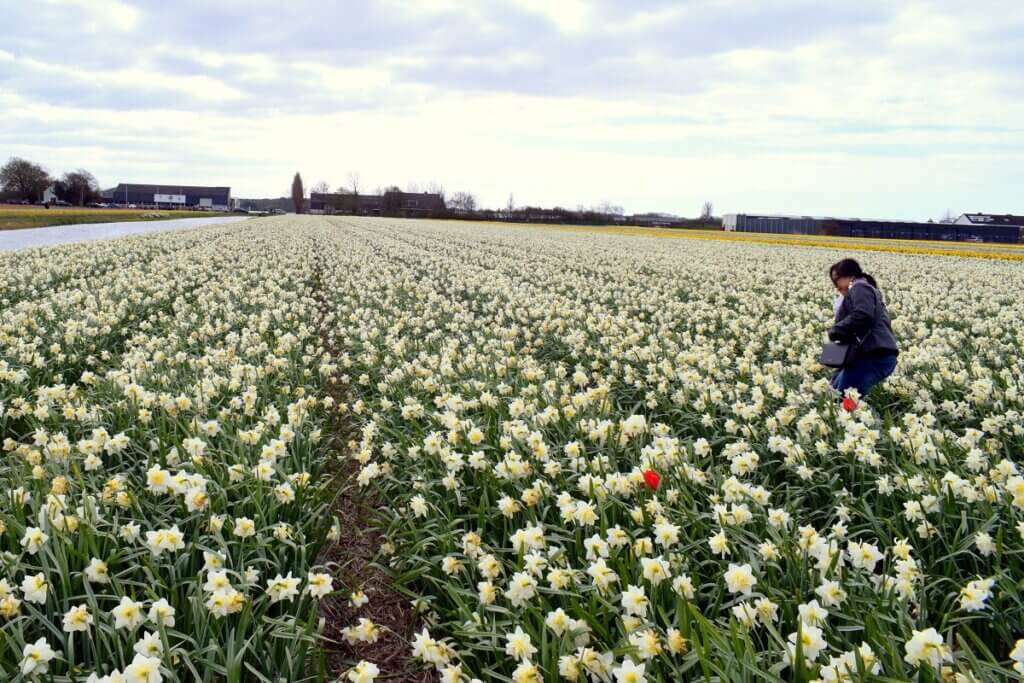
{"points": [[873, 108]]}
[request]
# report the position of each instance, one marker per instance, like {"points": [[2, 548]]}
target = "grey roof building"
{"points": [[855, 227], [170, 196]]}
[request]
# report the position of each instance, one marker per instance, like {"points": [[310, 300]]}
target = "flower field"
{"points": [[163, 494], [605, 458]]}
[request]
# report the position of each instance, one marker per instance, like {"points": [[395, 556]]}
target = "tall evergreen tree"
{"points": [[298, 196]]}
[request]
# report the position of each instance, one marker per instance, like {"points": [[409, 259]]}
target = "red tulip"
{"points": [[849, 405], [653, 479]]}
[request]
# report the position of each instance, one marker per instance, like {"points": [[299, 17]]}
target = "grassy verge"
{"points": [[20, 217]]}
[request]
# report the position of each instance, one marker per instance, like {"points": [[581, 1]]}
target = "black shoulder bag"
{"points": [[835, 354]]}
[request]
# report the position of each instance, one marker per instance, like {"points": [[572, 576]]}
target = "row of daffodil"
{"points": [[163, 495], [616, 458]]}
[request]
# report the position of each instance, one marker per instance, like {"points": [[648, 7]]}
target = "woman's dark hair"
{"points": [[848, 267]]}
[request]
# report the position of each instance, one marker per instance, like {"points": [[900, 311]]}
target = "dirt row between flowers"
{"points": [[355, 554]]}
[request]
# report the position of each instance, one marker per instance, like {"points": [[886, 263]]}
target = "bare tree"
{"points": [[25, 178], [298, 196], [948, 217], [608, 209], [353, 181], [463, 201], [434, 187], [412, 187], [79, 187], [707, 212], [510, 206], [323, 187]]}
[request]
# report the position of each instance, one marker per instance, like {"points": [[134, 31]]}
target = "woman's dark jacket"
{"points": [[862, 316]]}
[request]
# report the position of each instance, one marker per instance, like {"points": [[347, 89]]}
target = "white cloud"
{"points": [[336, 78], [104, 13], [570, 16], [197, 86]]}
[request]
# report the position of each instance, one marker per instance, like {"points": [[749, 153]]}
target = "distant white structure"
{"points": [[990, 219], [49, 195]]}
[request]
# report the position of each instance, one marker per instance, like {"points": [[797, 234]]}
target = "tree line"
{"points": [[24, 180], [464, 205]]}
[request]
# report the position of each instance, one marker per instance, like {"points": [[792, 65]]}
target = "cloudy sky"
{"points": [[872, 108]]}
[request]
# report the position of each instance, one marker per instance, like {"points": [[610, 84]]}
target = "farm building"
{"points": [[986, 219], [354, 204], [395, 203], [170, 196], [855, 227]]}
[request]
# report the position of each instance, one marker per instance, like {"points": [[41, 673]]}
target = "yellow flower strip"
{"points": [[1010, 252]]}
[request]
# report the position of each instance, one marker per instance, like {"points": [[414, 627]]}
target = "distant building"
{"points": [[170, 196], [855, 227], [539, 216], [793, 225], [352, 204], [654, 219], [50, 194], [990, 219], [406, 204]]}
